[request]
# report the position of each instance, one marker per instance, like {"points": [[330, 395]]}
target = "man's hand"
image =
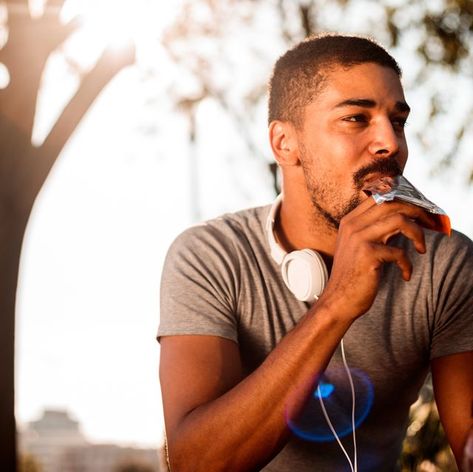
{"points": [[361, 250]]}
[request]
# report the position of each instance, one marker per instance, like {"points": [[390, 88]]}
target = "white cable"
{"points": [[333, 429], [352, 404], [352, 387]]}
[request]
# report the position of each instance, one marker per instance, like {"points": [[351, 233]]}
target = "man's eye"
{"points": [[399, 123], [356, 119]]}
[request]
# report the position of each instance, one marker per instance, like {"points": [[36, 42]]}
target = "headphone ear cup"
{"points": [[305, 274]]}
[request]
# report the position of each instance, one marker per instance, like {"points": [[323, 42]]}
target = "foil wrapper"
{"points": [[399, 188]]}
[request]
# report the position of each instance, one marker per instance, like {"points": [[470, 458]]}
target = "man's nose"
{"points": [[385, 140]]}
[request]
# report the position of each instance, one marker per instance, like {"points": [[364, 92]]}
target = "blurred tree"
{"points": [[27, 463], [225, 48], [425, 446], [23, 166]]}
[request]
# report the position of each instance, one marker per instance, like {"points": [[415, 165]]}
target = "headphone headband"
{"points": [[277, 252], [304, 271]]}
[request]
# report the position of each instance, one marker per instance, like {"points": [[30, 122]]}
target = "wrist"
{"points": [[333, 311]]}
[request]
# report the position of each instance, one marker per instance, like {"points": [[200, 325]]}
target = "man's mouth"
{"points": [[378, 183], [364, 177]]}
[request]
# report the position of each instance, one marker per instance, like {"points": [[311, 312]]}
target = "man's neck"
{"points": [[299, 226]]}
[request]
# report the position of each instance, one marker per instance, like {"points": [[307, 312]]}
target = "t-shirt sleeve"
{"points": [[453, 295], [199, 285]]}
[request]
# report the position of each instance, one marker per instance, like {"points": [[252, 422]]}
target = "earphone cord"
{"points": [[352, 387], [354, 465]]}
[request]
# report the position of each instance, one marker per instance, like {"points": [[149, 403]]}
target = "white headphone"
{"points": [[303, 271]]}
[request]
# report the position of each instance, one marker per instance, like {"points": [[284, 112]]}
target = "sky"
{"points": [[122, 189]]}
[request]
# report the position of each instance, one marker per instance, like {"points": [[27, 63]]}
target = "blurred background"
{"points": [[123, 122]]}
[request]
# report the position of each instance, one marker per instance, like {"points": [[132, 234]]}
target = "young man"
{"points": [[242, 355]]}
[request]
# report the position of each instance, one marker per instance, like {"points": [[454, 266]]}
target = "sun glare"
{"points": [[4, 76], [115, 24]]}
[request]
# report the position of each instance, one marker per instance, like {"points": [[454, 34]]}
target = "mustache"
{"points": [[388, 166]]}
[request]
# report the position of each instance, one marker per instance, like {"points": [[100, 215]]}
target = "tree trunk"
{"points": [[24, 168]]}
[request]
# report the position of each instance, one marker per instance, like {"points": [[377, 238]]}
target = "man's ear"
{"points": [[284, 143]]}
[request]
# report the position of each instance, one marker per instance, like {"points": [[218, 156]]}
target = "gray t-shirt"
{"points": [[219, 279]]}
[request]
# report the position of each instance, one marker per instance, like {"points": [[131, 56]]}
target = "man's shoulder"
{"points": [[250, 219], [225, 230], [445, 254], [457, 241], [437, 241]]}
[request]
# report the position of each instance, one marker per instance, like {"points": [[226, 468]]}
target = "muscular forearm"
{"points": [[245, 428]]}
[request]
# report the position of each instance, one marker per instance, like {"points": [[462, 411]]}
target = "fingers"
{"points": [[361, 251], [375, 225], [384, 229], [379, 223], [414, 212], [395, 255], [369, 208]]}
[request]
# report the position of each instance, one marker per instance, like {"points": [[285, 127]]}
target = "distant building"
{"points": [[47, 438], [56, 442], [108, 458]]}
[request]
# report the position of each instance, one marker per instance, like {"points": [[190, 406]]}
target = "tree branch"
{"points": [[109, 64], [27, 50]]}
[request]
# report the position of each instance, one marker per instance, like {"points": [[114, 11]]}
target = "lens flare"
{"points": [[334, 390], [324, 390]]}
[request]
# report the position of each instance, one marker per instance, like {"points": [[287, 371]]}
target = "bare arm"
{"points": [[218, 420], [453, 386]]}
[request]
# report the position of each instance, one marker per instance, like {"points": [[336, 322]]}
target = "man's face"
{"points": [[352, 131]]}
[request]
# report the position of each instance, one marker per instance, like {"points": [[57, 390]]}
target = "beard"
{"points": [[326, 197]]}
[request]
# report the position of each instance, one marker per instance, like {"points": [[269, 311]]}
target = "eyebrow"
{"points": [[368, 103]]}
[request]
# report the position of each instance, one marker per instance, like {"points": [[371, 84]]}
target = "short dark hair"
{"points": [[300, 73]]}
